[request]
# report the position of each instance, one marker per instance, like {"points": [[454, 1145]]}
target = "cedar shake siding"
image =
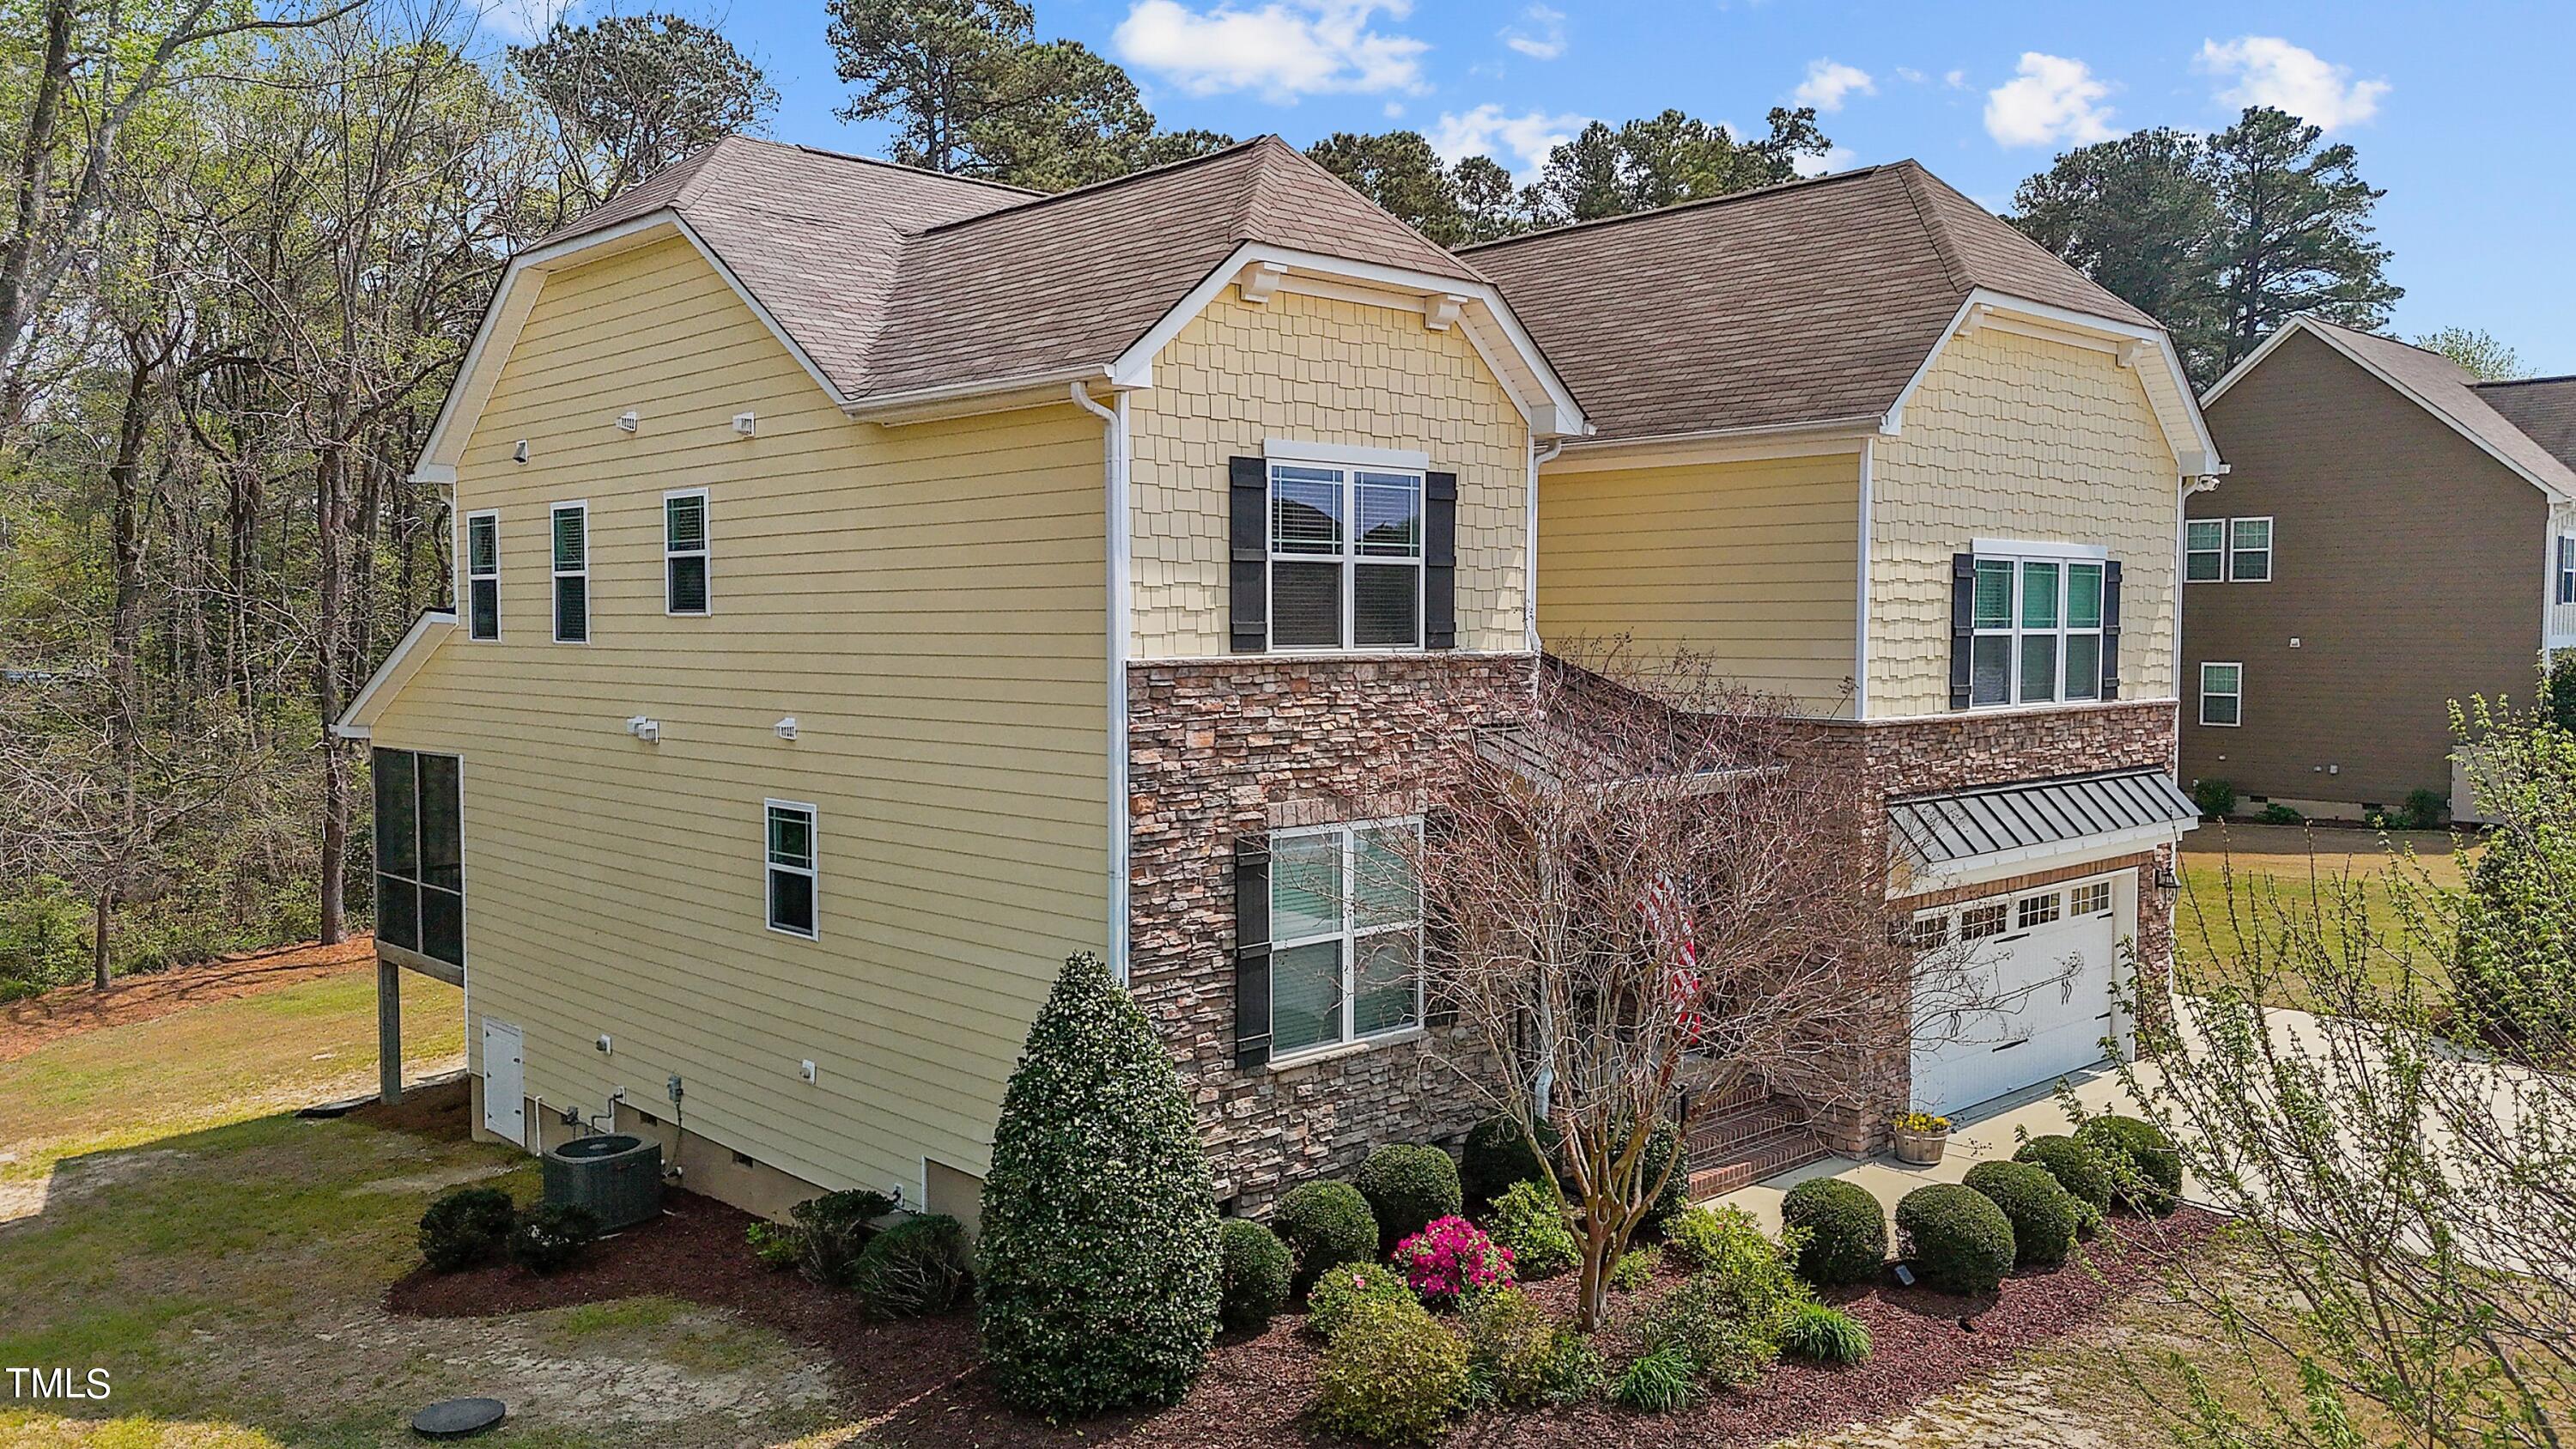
{"points": [[2407, 562]]}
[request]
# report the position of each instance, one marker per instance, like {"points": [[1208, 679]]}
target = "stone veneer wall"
{"points": [[1224, 748]]}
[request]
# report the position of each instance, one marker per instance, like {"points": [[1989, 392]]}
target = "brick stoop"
{"points": [[1749, 1140]]}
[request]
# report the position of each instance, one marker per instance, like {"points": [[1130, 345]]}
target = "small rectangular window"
{"points": [[2249, 551], [572, 572], [1929, 933], [483, 575], [794, 865], [684, 552], [2089, 900], [2204, 558], [2567, 569], [1976, 923], [2037, 910], [2222, 694]]}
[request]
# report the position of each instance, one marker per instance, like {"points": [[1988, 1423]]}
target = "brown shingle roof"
{"points": [[2451, 392], [2544, 408], [1812, 301], [894, 279]]}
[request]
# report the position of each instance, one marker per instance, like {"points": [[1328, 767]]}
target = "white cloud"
{"points": [[1284, 49], [2265, 70], [1541, 36], [2053, 100], [1521, 142], [1909, 75], [1828, 81], [1956, 80], [1836, 158]]}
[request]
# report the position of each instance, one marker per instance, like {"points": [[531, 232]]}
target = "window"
{"points": [[1345, 557], [2567, 569], [1929, 933], [2204, 551], [684, 552], [2222, 694], [2037, 910], [790, 847], [2038, 631], [572, 573], [2089, 900], [420, 854], [483, 575], [1345, 922], [1976, 923], [2249, 550]]}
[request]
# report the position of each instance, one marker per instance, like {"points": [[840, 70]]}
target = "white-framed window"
{"points": [[2567, 568], [420, 853], [483, 574], [2204, 551], [2038, 631], [570, 529], [1345, 556], [2222, 695], [1929, 933], [793, 862], [1978, 923], [2227, 550], [2089, 900], [2249, 550], [685, 586], [2031, 911], [1346, 934]]}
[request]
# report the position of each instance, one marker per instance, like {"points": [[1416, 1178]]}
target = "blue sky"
{"points": [[2459, 111]]}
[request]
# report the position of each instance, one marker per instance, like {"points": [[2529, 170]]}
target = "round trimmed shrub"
{"points": [[1529, 1219], [2146, 1171], [1394, 1375], [1955, 1237], [912, 1270], [552, 1236], [1495, 1156], [2042, 1214], [1846, 1231], [2078, 1168], [466, 1227], [1345, 1287], [1100, 1273], [1408, 1185], [1324, 1223], [1256, 1273]]}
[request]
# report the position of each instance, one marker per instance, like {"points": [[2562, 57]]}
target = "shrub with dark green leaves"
{"points": [[1664, 1149], [465, 1228], [1635, 1269], [1517, 1355], [2146, 1171], [831, 1230], [2042, 1214], [1497, 1154], [1100, 1272], [1823, 1335], [1407, 1185], [1256, 1273], [1529, 1219], [2216, 798], [2425, 809], [1663, 1381], [1346, 1286], [551, 1237], [1324, 1223], [1846, 1231], [2078, 1168], [2277, 813], [912, 1270], [1394, 1374], [1955, 1237], [1705, 1322]]}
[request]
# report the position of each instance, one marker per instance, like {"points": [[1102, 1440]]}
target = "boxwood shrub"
{"points": [[1344, 1287], [1394, 1374], [1664, 1146], [1529, 1219], [1407, 1185], [2146, 1171], [466, 1227], [1100, 1272], [1495, 1156], [1846, 1231], [2042, 1214], [1256, 1273], [551, 1237], [1955, 1237], [1324, 1223], [912, 1270], [2078, 1168]]}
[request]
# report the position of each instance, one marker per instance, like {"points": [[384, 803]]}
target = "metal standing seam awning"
{"points": [[1976, 831]]}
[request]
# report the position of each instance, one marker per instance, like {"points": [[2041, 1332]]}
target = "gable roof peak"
{"points": [[1653, 213]]}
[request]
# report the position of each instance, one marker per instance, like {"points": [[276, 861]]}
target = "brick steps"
{"points": [[1749, 1140]]}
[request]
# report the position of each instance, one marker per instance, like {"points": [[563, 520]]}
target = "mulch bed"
{"points": [[71, 1010], [916, 1381]]}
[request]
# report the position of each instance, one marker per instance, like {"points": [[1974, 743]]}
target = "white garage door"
{"points": [[2030, 1001]]}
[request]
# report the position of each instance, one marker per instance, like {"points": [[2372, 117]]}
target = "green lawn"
{"points": [[2240, 882]]}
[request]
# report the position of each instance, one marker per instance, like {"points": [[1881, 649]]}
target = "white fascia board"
{"points": [[1719, 445], [2056, 854], [418, 642], [1298, 450], [968, 399], [2254, 359]]}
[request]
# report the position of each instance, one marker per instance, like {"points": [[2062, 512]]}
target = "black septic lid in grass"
{"points": [[458, 1418]]}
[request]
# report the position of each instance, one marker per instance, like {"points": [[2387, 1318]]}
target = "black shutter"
{"points": [[1248, 577], [2111, 630], [1439, 1007], [1252, 950], [1963, 626], [1439, 560]]}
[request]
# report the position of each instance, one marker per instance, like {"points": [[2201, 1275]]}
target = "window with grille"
{"points": [[684, 552], [794, 868], [571, 530], [1346, 926], [483, 575], [1345, 557]]}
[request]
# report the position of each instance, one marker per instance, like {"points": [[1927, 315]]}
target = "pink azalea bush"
{"points": [[1452, 1257]]}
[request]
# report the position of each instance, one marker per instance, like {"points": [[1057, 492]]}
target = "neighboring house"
{"points": [[2394, 536], [1871, 449]]}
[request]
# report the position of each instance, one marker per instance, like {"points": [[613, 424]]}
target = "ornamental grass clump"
{"points": [[1823, 1335], [1450, 1258], [1528, 1220], [912, 1270], [1101, 1274]]}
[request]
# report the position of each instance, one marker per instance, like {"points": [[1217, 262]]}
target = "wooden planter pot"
{"points": [[1920, 1149]]}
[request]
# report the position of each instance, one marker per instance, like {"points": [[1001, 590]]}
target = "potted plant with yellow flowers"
{"points": [[1920, 1136]]}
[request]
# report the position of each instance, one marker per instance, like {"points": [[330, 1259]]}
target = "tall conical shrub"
{"points": [[1100, 1270]]}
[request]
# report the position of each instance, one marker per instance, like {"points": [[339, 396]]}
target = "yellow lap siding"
{"points": [[927, 602]]}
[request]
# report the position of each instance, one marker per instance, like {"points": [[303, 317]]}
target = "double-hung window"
{"points": [[571, 528], [1345, 557], [420, 854], [2567, 568], [684, 552], [2227, 550], [2222, 695], [2038, 631], [483, 575], [793, 867], [2204, 551], [1346, 928]]}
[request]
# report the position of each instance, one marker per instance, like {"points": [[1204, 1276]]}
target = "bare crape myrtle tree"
{"points": [[1639, 878]]}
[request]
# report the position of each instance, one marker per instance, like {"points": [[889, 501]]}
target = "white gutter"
{"points": [[1119, 545]]}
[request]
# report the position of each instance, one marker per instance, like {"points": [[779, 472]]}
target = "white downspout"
{"points": [[1544, 1085], [1120, 543], [1860, 602]]}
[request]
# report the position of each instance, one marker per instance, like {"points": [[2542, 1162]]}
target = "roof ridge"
{"points": [[1935, 230], [1309, 163], [1696, 203], [2523, 381], [1044, 198]]}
